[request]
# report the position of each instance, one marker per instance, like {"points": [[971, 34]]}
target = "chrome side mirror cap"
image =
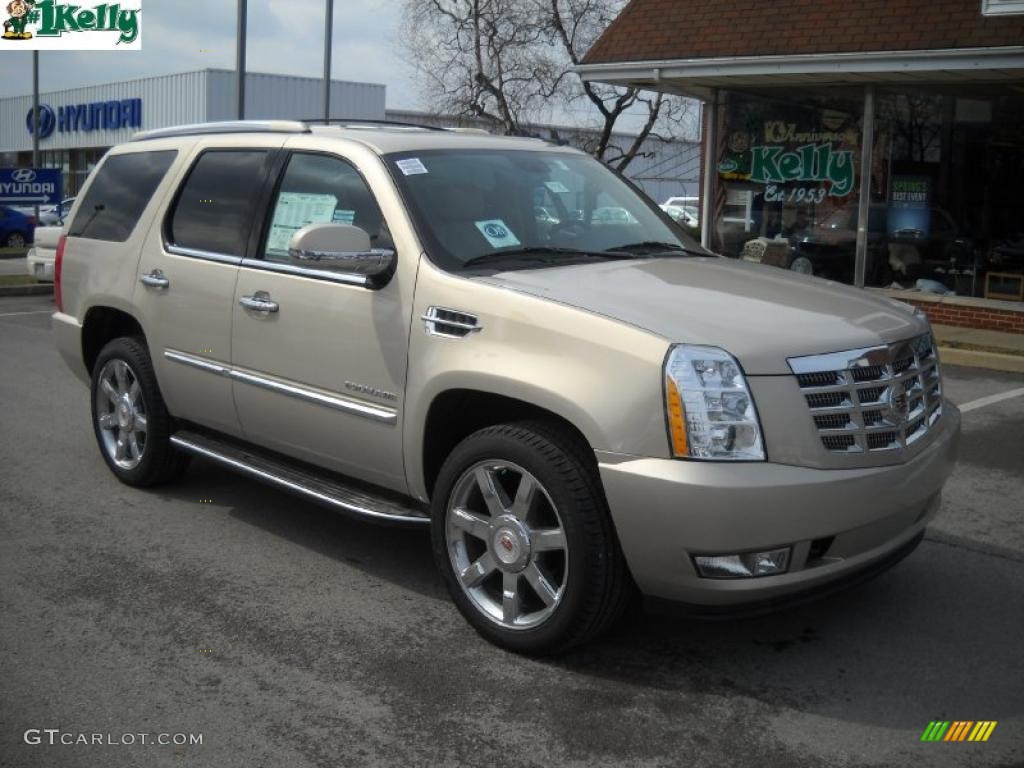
{"points": [[338, 248]]}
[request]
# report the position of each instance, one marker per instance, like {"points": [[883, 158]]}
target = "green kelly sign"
{"points": [[811, 162]]}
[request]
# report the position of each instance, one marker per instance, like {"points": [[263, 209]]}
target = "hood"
{"points": [[761, 315]]}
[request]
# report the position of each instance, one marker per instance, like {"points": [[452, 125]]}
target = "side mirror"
{"points": [[338, 248]]}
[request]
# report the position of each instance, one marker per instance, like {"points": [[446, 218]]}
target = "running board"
{"points": [[325, 487]]}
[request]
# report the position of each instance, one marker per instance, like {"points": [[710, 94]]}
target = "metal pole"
{"points": [[35, 116], [328, 40], [860, 264], [707, 202], [240, 64]]}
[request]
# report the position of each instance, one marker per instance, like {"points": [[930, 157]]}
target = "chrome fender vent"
{"points": [[450, 323]]}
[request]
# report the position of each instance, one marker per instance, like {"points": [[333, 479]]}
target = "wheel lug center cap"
{"points": [[510, 543], [125, 416]]}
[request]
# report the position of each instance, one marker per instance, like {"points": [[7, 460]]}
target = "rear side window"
{"points": [[122, 189], [217, 205]]}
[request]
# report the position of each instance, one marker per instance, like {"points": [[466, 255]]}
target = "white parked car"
{"points": [[55, 215], [40, 258], [685, 215]]}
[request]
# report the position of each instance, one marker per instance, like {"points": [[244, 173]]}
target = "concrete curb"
{"points": [[973, 359], [45, 289]]}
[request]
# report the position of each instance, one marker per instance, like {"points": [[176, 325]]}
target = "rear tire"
{"points": [[16, 240], [129, 418], [533, 563]]}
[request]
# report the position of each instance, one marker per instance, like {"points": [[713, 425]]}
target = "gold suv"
{"points": [[504, 340]]}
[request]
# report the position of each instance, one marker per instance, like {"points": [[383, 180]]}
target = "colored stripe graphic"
{"points": [[958, 730]]}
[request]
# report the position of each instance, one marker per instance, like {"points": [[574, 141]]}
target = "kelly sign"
{"points": [[811, 162], [50, 25]]}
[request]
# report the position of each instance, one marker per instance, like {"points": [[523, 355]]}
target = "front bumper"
{"points": [[666, 511]]}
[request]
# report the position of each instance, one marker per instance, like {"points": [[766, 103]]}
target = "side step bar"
{"points": [[324, 487]]}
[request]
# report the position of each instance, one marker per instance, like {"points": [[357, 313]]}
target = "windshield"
{"points": [[515, 209]]}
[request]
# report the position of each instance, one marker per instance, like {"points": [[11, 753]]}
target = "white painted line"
{"points": [[36, 312], [981, 402]]}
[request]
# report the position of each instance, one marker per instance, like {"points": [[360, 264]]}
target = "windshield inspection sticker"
{"points": [[412, 166], [497, 233], [342, 216], [557, 187]]}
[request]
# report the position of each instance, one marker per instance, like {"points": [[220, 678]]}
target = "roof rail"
{"points": [[360, 122], [226, 126]]}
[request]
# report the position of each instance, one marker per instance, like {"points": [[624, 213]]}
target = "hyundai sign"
{"points": [[97, 116], [30, 186]]}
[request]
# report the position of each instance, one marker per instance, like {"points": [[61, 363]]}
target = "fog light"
{"points": [[743, 566]]}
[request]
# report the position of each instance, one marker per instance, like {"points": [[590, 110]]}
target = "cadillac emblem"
{"points": [[899, 405]]}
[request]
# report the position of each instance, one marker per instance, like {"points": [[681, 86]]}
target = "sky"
{"points": [[285, 37]]}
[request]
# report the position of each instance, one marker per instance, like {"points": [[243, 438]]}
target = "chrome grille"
{"points": [[876, 399]]}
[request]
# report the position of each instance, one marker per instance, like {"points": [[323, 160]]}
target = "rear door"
{"points": [[188, 271]]}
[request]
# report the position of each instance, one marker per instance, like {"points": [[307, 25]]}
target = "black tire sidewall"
{"points": [[554, 632]]}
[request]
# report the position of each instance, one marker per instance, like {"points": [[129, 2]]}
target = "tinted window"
{"points": [[319, 189], [216, 207], [119, 194]]}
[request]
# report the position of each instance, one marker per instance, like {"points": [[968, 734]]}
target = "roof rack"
{"points": [[369, 123], [226, 126]]}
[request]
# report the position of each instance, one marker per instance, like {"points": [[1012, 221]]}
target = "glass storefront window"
{"points": [[944, 188], [789, 180]]}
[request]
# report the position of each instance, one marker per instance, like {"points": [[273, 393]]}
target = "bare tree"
{"points": [[507, 62], [484, 59], [576, 25]]}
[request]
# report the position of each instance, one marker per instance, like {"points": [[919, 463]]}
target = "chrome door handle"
{"points": [[259, 302], [155, 279]]}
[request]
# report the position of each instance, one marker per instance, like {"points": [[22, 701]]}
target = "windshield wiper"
{"points": [[655, 247], [534, 255]]}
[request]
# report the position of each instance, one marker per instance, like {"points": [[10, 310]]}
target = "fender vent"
{"points": [[450, 323]]}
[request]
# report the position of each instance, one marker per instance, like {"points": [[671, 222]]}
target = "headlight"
{"points": [[710, 410]]}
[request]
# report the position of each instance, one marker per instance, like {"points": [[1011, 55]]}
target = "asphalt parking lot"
{"points": [[289, 636]]}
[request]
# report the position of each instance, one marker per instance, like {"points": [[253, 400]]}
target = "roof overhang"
{"points": [[699, 77]]}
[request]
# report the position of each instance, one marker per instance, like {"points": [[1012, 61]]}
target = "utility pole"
{"points": [[35, 116], [328, 40], [243, 12]]}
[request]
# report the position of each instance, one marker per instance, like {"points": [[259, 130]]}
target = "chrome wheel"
{"points": [[16, 240], [506, 544], [121, 414]]}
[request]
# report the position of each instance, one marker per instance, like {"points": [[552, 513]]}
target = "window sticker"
{"points": [[497, 233], [412, 166], [342, 216], [556, 187], [294, 211]]}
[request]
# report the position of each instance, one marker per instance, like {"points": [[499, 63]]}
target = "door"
{"points": [[319, 359], [187, 278]]}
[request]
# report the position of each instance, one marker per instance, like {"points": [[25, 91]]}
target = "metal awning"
{"points": [[700, 77]]}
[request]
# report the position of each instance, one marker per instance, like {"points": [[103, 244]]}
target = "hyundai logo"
{"points": [[23, 176], [47, 121]]}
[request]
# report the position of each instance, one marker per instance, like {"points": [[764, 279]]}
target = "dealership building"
{"points": [[871, 142], [79, 125]]}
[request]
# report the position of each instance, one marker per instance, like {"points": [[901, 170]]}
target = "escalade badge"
{"points": [[363, 389]]}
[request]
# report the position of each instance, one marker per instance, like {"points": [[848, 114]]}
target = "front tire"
{"points": [[129, 418], [524, 540]]}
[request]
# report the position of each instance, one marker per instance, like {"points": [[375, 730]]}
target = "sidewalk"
{"points": [[980, 349]]}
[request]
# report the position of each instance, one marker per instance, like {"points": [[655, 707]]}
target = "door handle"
{"points": [[259, 302], [155, 279]]}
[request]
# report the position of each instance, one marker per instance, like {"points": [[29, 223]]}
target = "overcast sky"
{"points": [[285, 37]]}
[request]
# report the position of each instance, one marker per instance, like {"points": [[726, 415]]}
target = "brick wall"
{"points": [[679, 29], [969, 315]]}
